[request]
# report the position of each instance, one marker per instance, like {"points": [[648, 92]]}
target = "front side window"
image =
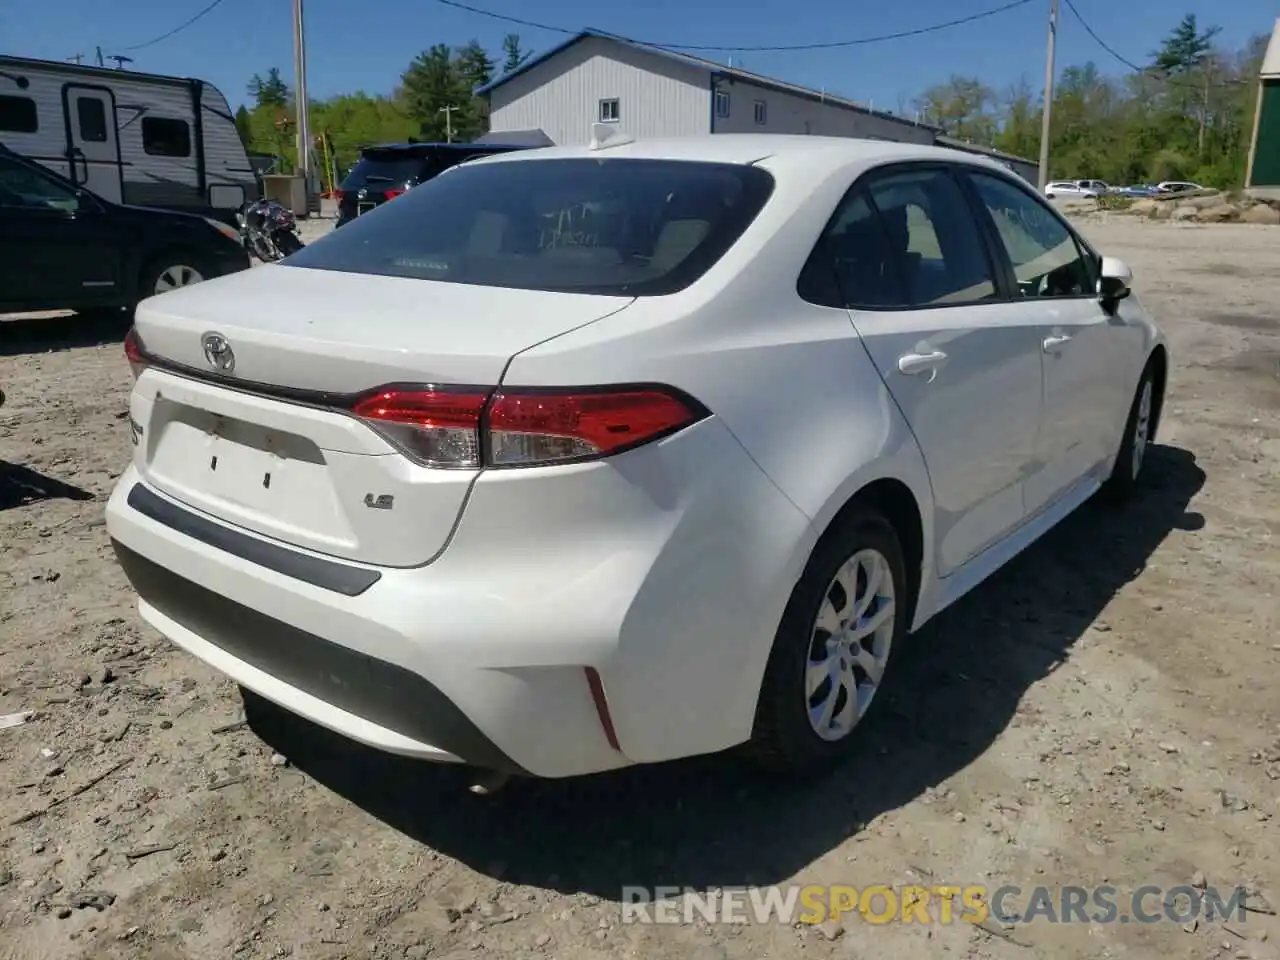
{"points": [[934, 240], [621, 227], [18, 115], [166, 137], [22, 188], [1046, 260]]}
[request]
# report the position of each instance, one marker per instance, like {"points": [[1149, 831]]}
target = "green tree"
{"points": [[244, 126], [1186, 48], [474, 68], [513, 56], [429, 86], [271, 90], [962, 107]]}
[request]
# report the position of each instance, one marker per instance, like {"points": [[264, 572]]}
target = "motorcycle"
{"points": [[268, 230]]}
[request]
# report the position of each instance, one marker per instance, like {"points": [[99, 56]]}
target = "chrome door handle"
{"points": [[1053, 343], [916, 363]]}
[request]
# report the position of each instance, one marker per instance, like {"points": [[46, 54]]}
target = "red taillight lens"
{"points": [[339, 195], [393, 193], [134, 352], [529, 428], [439, 428], [466, 427]]}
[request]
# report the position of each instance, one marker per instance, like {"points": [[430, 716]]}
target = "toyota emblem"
{"points": [[218, 353]]}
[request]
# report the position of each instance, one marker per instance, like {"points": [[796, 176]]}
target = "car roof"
{"points": [[817, 155]]}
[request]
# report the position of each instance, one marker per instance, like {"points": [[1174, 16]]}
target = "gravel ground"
{"points": [[1104, 711]]}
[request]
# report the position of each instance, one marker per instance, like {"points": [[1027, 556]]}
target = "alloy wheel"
{"points": [[1141, 428], [849, 644], [178, 275]]}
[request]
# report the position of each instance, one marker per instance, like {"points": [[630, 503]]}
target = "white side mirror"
{"points": [[1116, 280]]}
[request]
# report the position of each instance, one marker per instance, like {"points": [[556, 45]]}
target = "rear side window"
{"points": [[18, 115], [627, 227], [166, 137], [1045, 258], [855, 255], [933, 238]]}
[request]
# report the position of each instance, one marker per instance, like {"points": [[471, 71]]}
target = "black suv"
{"points": [[386, 171], [64, 248]]}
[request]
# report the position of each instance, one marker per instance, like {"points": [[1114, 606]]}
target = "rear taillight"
{"points": [[393, 193], [463, 427], [439, 428], [134, 352], [339, 195]]}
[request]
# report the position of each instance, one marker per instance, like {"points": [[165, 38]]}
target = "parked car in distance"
{"points": [[1100, 187], [1177, 186], [64, 248], [385, 172], [1069, 190], [633, 452], [1136, 190]]}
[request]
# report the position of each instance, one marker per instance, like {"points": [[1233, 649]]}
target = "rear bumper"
{"points": [[664, 574]]}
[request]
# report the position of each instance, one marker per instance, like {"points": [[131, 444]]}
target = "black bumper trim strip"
{"points": [[381, 692], [339, 577]]}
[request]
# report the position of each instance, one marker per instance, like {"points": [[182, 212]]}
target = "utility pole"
{"points": [[300, 94], [448, 121], [1048, 95]]}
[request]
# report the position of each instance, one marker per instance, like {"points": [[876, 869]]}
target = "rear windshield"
{"points": [[609, 226], [385, 167]]}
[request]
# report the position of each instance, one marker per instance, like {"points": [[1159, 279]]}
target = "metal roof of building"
{"points": [[701, 63]]}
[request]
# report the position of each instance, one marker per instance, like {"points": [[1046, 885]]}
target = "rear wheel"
{"points": [[171, 272], [831, 654]]}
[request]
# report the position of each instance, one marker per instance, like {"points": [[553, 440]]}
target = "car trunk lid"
{"points": [[269, 443]]}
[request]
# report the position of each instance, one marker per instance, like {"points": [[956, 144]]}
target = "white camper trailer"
{"points": [[135, 138]]}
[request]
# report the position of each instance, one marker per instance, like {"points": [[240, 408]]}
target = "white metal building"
{"points": [[649, 92]]}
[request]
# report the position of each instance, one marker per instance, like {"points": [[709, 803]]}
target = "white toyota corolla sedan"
{"points": [[578, 458]]}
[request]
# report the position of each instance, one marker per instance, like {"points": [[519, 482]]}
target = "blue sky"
{"points": [[366, 44]]}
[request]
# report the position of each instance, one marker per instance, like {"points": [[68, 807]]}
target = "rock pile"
{"points": [[1208, 206]]}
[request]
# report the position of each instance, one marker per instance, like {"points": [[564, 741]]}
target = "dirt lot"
{"points": [[1105, 711]]}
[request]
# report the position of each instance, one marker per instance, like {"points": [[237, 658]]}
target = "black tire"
{"points": [[164, 262], [784, 740], [1125, 477]]}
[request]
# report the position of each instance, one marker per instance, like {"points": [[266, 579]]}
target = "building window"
{"points": [[18, 115], [163, 137], [92, 116], [609, 112], [722, 104], [761, 112]]}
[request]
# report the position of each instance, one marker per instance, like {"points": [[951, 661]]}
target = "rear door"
{"points": [[57, 247], [1085, 348], [963, 366], [93, 140]]}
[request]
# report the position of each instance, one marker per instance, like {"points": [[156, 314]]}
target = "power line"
{"points": [[1143, 71], [178, 29], [827, 45]]}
